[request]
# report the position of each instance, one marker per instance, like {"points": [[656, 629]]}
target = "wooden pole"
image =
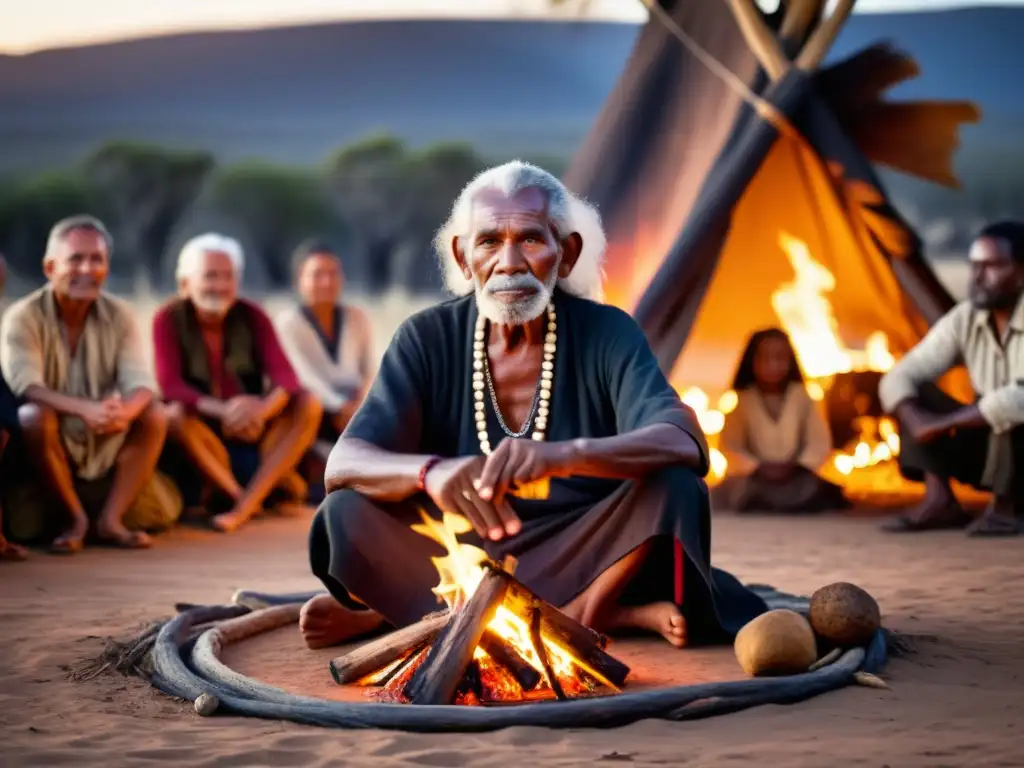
{"points": [[760, 38], [821, 39], [439, 675], [800, 17]]}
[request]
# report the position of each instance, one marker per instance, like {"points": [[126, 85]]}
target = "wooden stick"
{"points": [[821, 39], [760, 38], [584, 643], [800, 16], [505, 655], [438, 677], [371, 656], [542, 653]]}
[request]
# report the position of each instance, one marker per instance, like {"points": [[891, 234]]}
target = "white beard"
{"points": [[518, 312], [211, 305]]}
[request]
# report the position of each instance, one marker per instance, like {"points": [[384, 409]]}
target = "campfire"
{"points": [[865, 462], [497, 643]]}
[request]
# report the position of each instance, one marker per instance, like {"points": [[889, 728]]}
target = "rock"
{"points": [[844, 614], [206, 704], [778, 642]]}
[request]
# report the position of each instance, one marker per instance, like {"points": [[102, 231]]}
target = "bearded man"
{"points": [[980, 444], [524, 388], [237, 410]]}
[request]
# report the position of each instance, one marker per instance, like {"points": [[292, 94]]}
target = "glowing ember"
{"points": [[806, 315]]}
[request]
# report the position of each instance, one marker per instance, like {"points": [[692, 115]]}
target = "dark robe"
{"points": [[606, 382]]}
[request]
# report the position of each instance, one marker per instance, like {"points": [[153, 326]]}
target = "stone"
{"points": [[779, 642], [843, 614], [206, 704]]}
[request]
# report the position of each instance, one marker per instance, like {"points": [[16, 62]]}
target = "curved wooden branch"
{"points": [[800, 16], [821, 39], [760, 38]]}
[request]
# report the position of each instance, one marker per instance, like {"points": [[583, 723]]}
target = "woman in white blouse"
{"points": [[776, 440], [328, 342]]}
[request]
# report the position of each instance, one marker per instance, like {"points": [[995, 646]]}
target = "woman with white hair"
{"points": [[542, 418]]}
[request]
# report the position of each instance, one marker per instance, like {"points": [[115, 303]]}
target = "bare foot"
{"points": [[663, 618], [119, 536], [324, 622], [73, 539], [998, 519], [229, 522], [11, 552], [938, 511]]}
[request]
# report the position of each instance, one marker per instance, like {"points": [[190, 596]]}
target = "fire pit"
{"points": [[498, 656], [497, 644]]}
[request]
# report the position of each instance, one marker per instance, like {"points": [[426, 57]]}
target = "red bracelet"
{"points": [[421, 482]]}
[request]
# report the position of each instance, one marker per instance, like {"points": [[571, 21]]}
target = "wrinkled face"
{"points": [[513, 256], [320, 279], [772, 362], [213, 285], [77, 267], [997, 281]]}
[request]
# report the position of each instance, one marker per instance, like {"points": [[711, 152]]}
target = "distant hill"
{"points": [[294, 94]]}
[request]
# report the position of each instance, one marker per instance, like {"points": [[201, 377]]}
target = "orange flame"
{"points": [[461, 571], [806, 315]]}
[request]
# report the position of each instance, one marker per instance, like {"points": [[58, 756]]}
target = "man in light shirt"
{"points": [[981, 444]]}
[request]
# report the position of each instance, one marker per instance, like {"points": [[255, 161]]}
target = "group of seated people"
{"points": [[98, 444], [524, 405], [776, 440]]}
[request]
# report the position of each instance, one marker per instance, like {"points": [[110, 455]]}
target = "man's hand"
{"points": [[451, 483], [922, 426], [244, 418], [105, 417], [517, 462]]}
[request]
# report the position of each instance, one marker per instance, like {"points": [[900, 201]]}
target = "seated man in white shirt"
{"points": [[328, 342], [981, 444]]}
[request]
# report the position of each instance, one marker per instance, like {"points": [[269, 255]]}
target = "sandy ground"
{"points": [[956, 702]]}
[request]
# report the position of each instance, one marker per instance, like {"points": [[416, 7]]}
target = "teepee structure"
{"points": [[734, 175]]}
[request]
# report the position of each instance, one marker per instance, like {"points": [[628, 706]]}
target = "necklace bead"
{"points": [[481, 379]]}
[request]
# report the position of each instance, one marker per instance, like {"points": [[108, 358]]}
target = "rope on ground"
{"points": [[187, 668]]}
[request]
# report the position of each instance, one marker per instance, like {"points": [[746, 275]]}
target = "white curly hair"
{"points": [[568, 214]]}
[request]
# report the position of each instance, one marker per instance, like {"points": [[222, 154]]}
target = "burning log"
{"points": [[374, 655], [503, 655], [436, 680], [542, 654], [586, 644]]}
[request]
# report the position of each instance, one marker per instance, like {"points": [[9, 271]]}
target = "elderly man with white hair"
{"points": [[237, 410], [542, 418], [72, 354]]}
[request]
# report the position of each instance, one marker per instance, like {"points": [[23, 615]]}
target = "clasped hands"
{"points": [[477, 487], [106, 417], [243, 418]]}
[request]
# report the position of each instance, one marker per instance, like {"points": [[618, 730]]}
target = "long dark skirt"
{"points": [[803, 492], [367, 549]]}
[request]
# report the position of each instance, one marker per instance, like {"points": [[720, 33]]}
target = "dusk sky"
{"points": [[33, 24]]}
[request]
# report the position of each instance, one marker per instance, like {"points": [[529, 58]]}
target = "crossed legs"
{"points": [[286, 439]]}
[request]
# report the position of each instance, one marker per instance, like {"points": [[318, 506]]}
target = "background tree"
{"points": [[28, 209], [279, 207], [145, 189]]}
